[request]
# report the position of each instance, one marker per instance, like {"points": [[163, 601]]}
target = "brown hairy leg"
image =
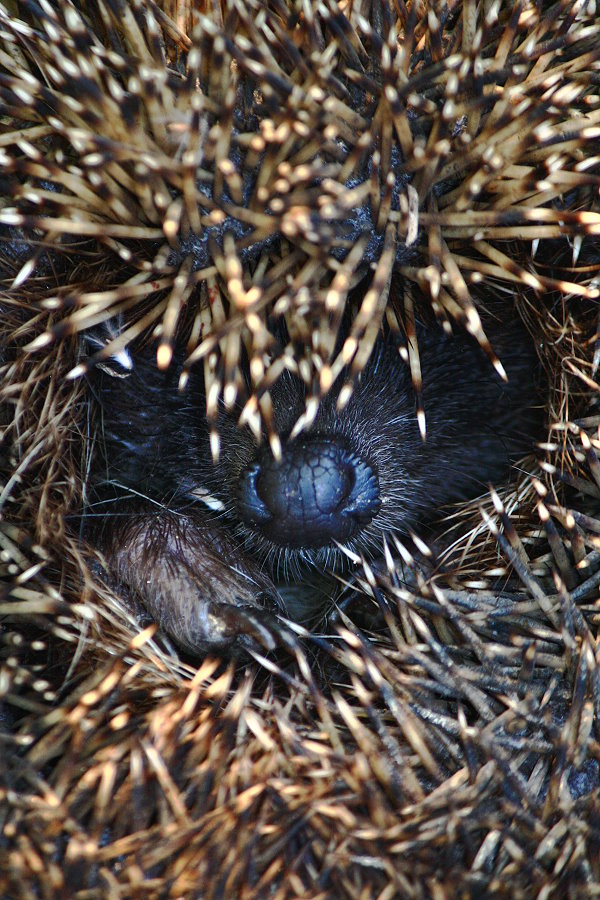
{"points": [[191, 578]]}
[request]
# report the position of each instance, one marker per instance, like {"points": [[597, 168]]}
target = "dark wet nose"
{"points": [[318, 493]]}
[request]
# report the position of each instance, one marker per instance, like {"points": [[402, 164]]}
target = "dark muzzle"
{"points": [[320, 492]]}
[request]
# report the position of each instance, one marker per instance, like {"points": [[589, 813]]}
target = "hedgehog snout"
{"points": [[319, 492]]}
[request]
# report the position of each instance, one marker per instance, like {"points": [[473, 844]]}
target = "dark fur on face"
{"points": [[201, 546]]}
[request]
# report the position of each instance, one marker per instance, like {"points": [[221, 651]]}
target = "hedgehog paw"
{"points": [[191, 579]]}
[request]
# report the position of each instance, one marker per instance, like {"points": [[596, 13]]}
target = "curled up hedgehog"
{"points": [[299, 492]]}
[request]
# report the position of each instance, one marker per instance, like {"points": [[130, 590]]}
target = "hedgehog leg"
{"points": [[191, 579]]}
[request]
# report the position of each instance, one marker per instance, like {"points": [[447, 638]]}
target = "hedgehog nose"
{"points": [[319, 492]]}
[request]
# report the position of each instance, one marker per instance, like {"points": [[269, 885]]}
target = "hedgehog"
{"points": [[260, 215]]}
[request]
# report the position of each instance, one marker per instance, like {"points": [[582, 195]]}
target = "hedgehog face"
{"points": [[203, 546], [365, 470]]}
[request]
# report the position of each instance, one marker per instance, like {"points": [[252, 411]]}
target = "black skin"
{"points": [[208, 577]]}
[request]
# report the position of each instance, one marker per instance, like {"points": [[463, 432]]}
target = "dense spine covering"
{"points": [[206, 176]]}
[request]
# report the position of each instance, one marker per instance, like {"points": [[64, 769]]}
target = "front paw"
{"points": [[192, 580]]}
